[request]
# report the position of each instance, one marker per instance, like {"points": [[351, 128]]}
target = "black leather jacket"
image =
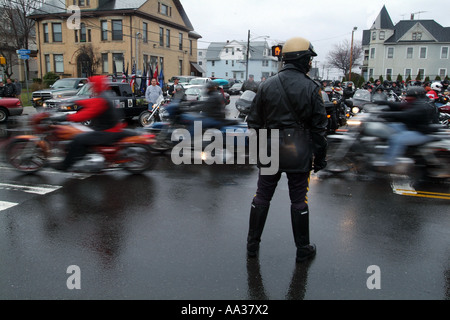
{"points": [[269, 110]]}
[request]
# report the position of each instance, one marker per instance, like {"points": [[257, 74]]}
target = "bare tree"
{"points": [[339, 57], [17, 31], [93, 61]]}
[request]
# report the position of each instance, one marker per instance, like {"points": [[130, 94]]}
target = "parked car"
{"points": [[61, 88], [195, 93], [121, 95], [197, 82], [235, 89], [184, 80], [9, 107]]}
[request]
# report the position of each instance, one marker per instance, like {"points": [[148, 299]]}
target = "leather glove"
{"points": [[320, 163], [58, 118]]}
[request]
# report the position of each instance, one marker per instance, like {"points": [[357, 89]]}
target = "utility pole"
{"points": [[247, 59]]}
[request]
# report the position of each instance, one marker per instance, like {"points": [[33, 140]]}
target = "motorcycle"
{"points": [[48, 143], [244, 103], [148, 117], [367, 138], [177, 115]]}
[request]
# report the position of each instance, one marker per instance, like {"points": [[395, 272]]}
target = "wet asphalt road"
{"points": [[179, 233]]}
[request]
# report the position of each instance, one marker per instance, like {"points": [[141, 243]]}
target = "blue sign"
{"points": [[24, 56], [23, 51]]}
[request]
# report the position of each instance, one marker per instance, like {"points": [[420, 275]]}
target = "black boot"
{"points": [[300, 227], [258, 216]]}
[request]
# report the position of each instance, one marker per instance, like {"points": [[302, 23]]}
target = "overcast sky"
{"points": [[325, 23]]}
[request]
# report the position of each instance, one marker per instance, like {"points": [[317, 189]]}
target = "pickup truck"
{"points": [[61, 88], [122, 97]]}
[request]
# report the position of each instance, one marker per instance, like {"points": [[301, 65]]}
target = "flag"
{"points": [[114, 79], [143, 81], [124, 73], [161, 78], [133, 77], [155, 75], [149, 75]]}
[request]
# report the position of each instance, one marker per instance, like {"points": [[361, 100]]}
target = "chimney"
{"points": [[412, 16]]}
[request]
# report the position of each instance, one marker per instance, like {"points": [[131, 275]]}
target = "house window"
{"points": [[180, 66], [145, 32], [58, 62], [388, 73], [45, 32], [190, 47], [105, 68], [76, 35], [442, 73], [48, 66], [180, 41], [118, 60], [372, 53], [213, 63], [444, 53], [408, 73], [370, 73], [82, 32], [423, 53], [164, 9], [374, 36], [265, 63], [390, 53], [167, 38], [421, 74], [57, 32], [409, 53], [226, 62], [117, 33], [417, 36], [382, 35], [104, 26], [89, 35], [161, 37]]}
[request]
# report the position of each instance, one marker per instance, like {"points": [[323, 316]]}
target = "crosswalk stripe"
{"points": [[41, 190], [6, 205]]}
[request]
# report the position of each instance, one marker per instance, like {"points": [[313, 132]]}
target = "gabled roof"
{"points": [[440, 33], [383, 21]]}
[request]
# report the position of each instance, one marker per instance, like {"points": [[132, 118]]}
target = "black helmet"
{"points": [[297, 48], [416, 91]]}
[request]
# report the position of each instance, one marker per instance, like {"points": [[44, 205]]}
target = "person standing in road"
{"points": [[250, 84], [152, 93], [300, 114], [18, 89], [10, 89], [2, 89]]}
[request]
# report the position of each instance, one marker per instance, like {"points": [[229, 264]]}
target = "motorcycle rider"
{"points": [[348, 91], [411, 122], [104, 121], [250, 84], [270, 111]]}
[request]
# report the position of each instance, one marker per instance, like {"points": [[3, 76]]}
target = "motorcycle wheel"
{"points": [[25, 155], [336, 163], [440, 170], [139, 159], [144, 119]]}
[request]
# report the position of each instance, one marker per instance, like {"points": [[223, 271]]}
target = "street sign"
{"points": [[24, 56], [23, 51]]}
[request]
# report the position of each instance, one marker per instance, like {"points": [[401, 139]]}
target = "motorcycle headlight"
{"points": [[355, 110]]}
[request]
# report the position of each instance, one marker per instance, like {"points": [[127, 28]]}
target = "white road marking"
{"points": [[41, 190], [6, 205]]}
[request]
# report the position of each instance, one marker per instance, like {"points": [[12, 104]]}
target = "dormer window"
{"points": [[382, 35], [374, 36]]}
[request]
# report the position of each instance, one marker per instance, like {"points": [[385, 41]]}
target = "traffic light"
{"points": [[2, 60], [276, 51]]}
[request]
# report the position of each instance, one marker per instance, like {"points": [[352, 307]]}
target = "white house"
{"points": [[409, 48]]}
